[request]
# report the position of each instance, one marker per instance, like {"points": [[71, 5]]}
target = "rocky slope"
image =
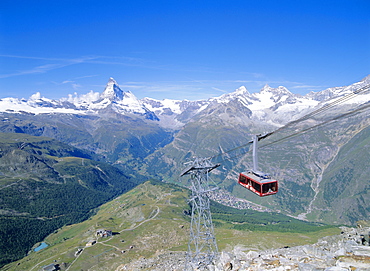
{"points": [[345, 252]]}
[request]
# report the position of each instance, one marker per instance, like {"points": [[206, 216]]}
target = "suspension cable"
{"points": [[347, 114], [305, 117], [326, 107]]}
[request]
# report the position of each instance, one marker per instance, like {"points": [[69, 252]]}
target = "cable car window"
{"points": [[243, 179], [256, 186], [269, 187]]}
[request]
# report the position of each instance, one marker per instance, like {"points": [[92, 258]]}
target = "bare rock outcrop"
{"points": [[345, 252], [348, 251]]}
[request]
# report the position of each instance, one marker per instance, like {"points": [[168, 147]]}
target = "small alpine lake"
{"points": [[41, 246]]}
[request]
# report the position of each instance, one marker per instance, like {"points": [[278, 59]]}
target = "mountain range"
{"points": [[320, 161], [270, 105]]}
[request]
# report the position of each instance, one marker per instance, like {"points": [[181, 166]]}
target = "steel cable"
{"points": [[305, 117]]}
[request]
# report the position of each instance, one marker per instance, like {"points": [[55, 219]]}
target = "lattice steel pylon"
{"points": [[202, 246]]}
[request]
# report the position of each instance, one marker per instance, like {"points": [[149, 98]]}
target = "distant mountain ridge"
{"points": [[269, 105], [112, 99]]}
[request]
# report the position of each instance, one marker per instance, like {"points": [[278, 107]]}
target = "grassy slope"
{"points": [[45, 184], [150, 219]]}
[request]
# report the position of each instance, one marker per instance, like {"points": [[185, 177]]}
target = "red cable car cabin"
{"points": [[262, 185]]}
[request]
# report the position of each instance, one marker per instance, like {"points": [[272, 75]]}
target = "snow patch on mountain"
{"points": [[163, 107], [13, 105], [174, 114]]}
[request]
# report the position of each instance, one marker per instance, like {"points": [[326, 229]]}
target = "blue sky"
{"points": [[181, 49]]}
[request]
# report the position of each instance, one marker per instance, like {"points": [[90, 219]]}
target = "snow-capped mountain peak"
{"points": [[114, 98], [240, 93], [112, 91], [265, 88], [276, 91]]}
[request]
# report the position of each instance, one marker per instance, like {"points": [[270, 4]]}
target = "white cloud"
{"points": [[221, 90], [309, 87], [76, 86], [35, 96], [67, 81], [89, 97]]}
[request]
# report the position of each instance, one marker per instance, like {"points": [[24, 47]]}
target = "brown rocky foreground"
{"points": [[345, 252]]}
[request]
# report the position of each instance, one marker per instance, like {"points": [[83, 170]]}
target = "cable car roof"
{"points": [[258, 178]]}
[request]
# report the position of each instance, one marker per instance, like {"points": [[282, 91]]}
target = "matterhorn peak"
{"points": [[112, 81], [112, 91]]}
